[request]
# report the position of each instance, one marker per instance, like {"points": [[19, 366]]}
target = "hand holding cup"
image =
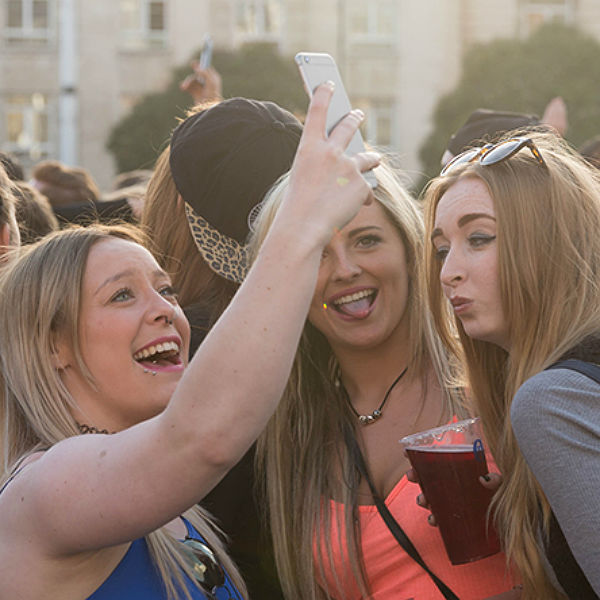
{"points": [[450, 463]]}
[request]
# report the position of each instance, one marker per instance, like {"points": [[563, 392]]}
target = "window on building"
{"points": [[143, 23], [371, 20], [378, 126], [259, 19], [26, 125], [28, 20], [538, 12]]}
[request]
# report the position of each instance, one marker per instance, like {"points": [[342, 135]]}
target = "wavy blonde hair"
{"points": [[41, 297], [301, 457], [548, 224]]}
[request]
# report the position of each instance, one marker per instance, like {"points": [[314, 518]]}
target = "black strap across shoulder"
{"points": [[589, 369], [391, 522], [568, 572]]}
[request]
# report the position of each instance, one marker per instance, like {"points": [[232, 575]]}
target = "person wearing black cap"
{"points": [[485, 125], [221, 161]]}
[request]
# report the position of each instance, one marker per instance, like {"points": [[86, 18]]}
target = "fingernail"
{"points": [[330, 84], [486, 478], [359, 113]]}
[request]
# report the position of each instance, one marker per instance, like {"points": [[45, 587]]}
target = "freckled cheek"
{"points": [[104, 335], [317, 314], [313, 314], [317, 304]]}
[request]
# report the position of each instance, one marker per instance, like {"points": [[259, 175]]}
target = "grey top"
{"points": [[556, 419]]}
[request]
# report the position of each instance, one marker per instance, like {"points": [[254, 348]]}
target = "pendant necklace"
{"points": [[376, 414]]}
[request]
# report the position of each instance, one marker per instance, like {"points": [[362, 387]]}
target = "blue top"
{"points": [[136, 577]]}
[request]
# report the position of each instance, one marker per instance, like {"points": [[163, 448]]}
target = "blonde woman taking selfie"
{"points": [[109, 437]]}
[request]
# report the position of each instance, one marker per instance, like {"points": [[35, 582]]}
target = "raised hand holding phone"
{"points": [[205, 59], [204, 83], [327, 186], [317, 68]]}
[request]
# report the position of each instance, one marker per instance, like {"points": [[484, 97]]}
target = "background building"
{"points": [[70, 69]]}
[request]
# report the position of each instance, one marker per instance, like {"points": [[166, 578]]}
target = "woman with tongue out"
{"points": [[94, 342], [369, 371]]}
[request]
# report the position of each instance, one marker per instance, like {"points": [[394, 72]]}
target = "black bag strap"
{"points": [[589, 369], [567, 570], [389, 520]]}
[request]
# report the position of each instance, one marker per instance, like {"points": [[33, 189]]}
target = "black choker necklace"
{"points": [[91, 429], [376, 414]]}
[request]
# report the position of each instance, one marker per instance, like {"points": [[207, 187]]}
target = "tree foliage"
{"points": [[254, 71], [523, 76]]}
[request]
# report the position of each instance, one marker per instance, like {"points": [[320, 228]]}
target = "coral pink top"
{"points": [[391, 573]]}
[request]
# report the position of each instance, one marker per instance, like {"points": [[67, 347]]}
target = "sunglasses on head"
{"points": [[492, 154], [207, 571]]}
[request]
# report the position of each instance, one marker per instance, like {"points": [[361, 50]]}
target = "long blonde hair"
{"points": [[302, 457], [41, 295], [548, 221]]}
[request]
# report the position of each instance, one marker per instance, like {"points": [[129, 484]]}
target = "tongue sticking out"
{"points": [[161, 359], [358, 308]]}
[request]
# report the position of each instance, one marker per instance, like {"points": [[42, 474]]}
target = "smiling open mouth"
{"points": [[355, 304], [162, 355]]}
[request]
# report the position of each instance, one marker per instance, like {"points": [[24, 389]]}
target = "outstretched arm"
{"points": [[93, 491]]}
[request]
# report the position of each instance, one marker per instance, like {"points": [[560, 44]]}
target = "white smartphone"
{"points": [[316, 68]]}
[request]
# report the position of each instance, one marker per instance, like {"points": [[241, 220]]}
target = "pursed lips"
{"points": [[460, 304]]}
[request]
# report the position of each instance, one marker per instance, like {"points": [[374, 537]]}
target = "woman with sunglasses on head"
{"points": [[515, 254], [368, 371], [94, 342]]}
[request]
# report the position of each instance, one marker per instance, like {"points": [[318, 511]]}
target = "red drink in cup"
{"points": [[448, 461]]}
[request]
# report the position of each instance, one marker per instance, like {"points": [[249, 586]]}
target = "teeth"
{"points": [[159, 348], [353, 297]]}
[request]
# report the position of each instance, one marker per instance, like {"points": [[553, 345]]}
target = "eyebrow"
{"points": [[463, 221], [123, 275], [359, 230]]}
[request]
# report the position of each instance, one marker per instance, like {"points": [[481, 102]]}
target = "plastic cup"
{"points": [[448, 461]]}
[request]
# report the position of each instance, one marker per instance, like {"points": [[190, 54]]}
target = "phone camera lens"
{"points": [[306, 59]]}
